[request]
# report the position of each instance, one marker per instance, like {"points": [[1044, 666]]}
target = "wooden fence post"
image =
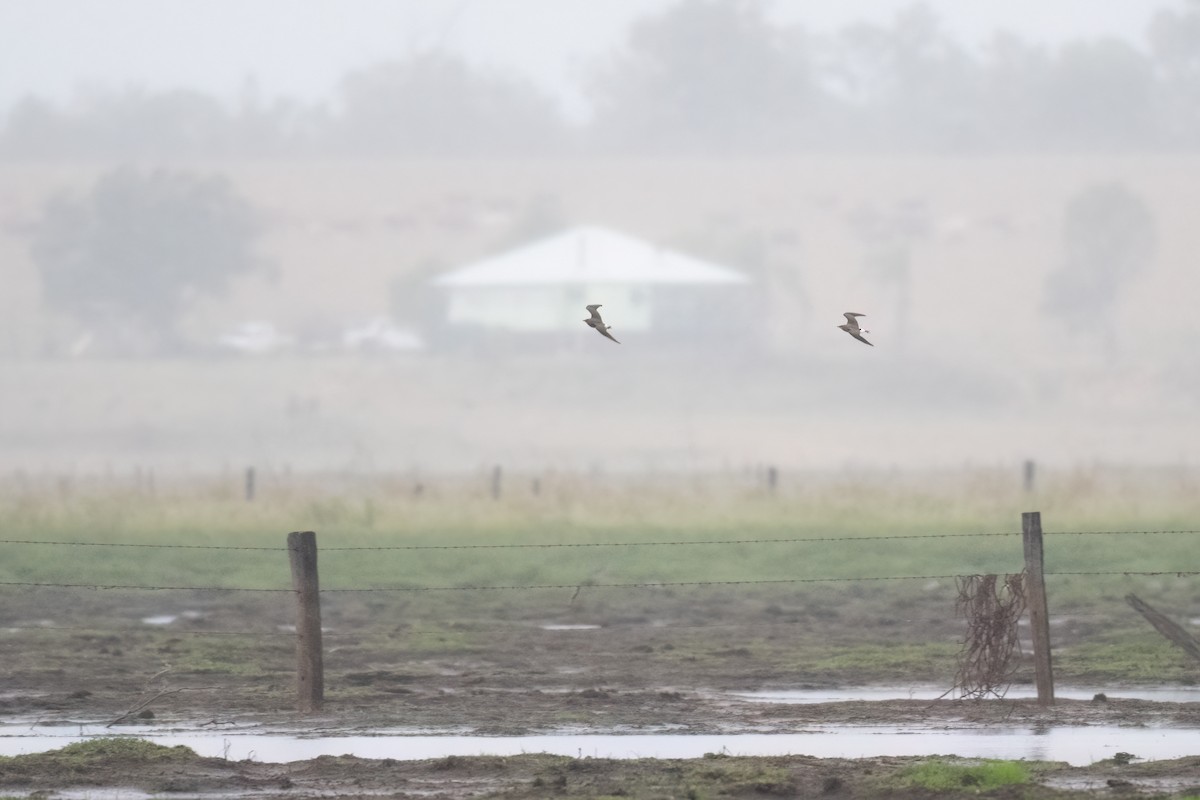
{"points": [[496, 478], [249, 484], [1039, 615], [1029, 474], [310, 671]]}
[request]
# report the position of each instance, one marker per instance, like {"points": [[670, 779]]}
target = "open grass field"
{"points": [[861, 568], [815, 525]]}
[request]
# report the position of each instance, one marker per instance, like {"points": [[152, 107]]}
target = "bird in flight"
{"points": [[594, 321], [851, 327]]}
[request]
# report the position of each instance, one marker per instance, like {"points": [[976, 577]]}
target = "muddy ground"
{"points": [[127, 768], [498, 670], [179, 773]]}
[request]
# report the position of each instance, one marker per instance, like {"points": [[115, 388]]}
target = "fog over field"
{"points": [[360, 236]]}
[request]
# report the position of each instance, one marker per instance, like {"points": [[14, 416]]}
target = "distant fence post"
{"points": [[497, 474], [310, 671], [772, 479], [1029, 473], [1039, 615], [249, 484]]}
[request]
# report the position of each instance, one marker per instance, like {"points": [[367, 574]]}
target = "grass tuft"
{"points": [[106, 750], [944, 775]]}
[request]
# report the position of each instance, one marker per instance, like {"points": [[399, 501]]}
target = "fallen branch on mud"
{"points": [[150, 700]]}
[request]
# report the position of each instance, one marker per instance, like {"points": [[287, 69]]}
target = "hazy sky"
{"points": [[301, 47]]}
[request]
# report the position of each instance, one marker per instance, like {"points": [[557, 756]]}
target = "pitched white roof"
{"points": [[589, 255]]}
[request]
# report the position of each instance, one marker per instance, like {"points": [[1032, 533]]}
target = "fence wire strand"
{"points": [[158, 629], [670, 543], [572, 586], [548, 545], [141, 544]]}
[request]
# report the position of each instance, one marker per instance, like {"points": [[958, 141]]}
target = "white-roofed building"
{"points": [[542, 287]]}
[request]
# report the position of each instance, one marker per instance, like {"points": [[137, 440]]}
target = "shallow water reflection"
{"points": [[1076, 745], [1161, 694]]}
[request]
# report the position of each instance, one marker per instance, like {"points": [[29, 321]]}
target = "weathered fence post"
{"points": [[1029, 473], [772, 479], [1039, 615], [310, 671], [496, 478], [249, 484]]}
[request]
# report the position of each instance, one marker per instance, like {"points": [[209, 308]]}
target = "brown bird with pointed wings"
{"points": [[851, 327], [594, 321]]}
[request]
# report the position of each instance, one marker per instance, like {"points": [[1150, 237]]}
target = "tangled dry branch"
{"points": [[987, 662]]}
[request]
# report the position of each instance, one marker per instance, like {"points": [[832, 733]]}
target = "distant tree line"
{"points": [[703, 77], [126, 259]]}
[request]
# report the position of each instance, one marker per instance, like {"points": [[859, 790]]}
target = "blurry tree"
{"points": [[706, 76], [34, 129], [258, 127], [702, 76], [119, 125], [139, 124], [1098, 93], [908, 82], [1108, 236], [134, 123], [125, 260], [1012, 75], [1175, 43], [436, 104]]}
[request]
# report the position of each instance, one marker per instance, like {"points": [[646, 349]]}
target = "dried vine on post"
{"points": [[985, 664]]}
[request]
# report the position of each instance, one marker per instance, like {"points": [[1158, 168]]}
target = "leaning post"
{"points": [[310, 671], [1039, 615]]}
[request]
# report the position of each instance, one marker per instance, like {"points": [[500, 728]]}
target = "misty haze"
{"points": [[194, 280], [545, 292]]}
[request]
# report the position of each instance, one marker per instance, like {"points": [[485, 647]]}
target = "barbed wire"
{"points": [[667, 543], [139, 587], [535, 545], [1171, 572], [160, 629], [1113, 533], [141, 544], [573, 586], [511, 627]]}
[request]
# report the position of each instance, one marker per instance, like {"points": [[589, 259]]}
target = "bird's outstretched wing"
{"points": [[595, 322], [850, 318], [858, 336]]}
